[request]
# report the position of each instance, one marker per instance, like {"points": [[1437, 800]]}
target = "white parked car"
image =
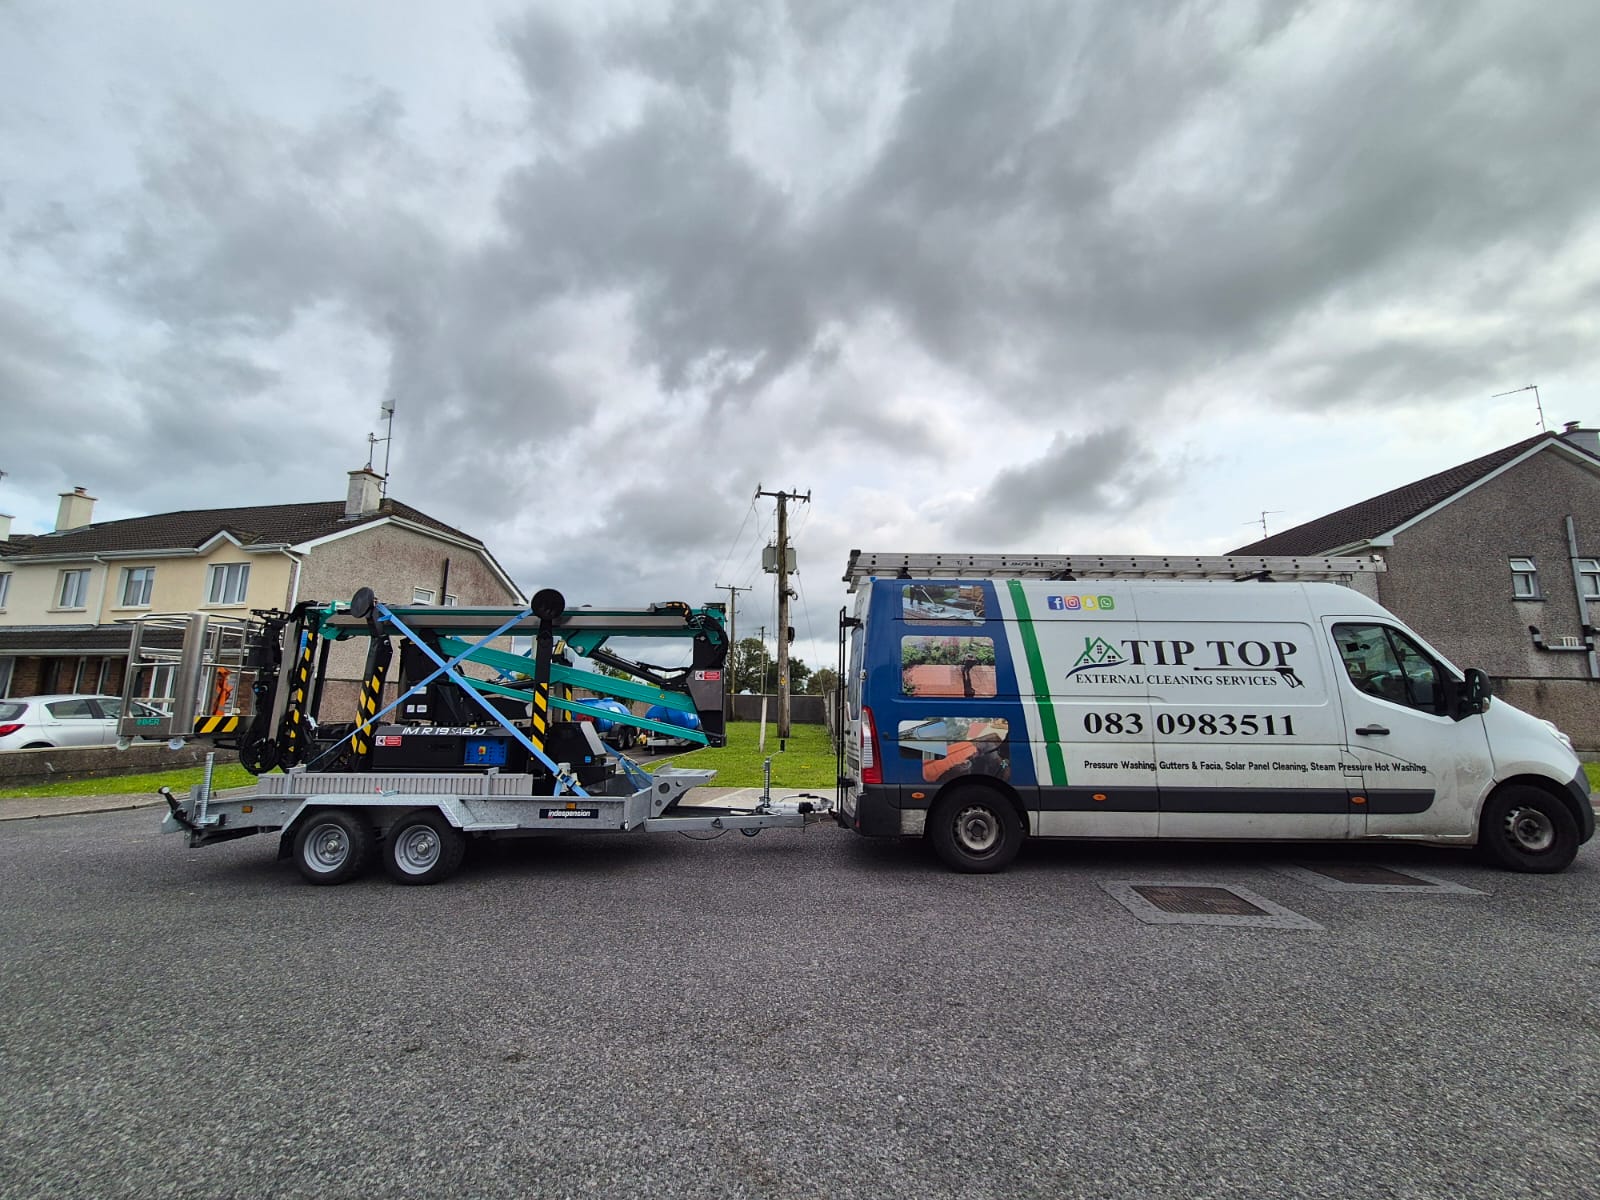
{"points": [[51, 722]]}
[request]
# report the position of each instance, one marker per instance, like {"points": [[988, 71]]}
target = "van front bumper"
{"points": [[1578, 788]]}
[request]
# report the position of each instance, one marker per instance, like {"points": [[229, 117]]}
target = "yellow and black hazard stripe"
{"points": [[371, 691], [217, 724], [540, 726]]}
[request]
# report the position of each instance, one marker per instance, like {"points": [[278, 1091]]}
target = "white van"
{"points": [[980, 711]]}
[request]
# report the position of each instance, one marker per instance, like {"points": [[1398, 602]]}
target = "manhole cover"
{"points": [[1364, 877], [1197, 902], [1368, 876], [1212, 901]]}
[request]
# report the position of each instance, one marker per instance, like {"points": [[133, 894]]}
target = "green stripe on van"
{"points": [[1041, 685]]}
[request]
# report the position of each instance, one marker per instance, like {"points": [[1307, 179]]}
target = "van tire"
{"points": [[1525, 828], [422, 847], [333, 846], [975, 830]]}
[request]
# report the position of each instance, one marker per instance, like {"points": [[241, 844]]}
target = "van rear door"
{"points": [[1422, 771]]}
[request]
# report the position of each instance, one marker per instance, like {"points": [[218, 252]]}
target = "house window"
{"points": [[421, 596], [228, 583], [449, 600], [1588, 580], [136, 585], [5, 676], [74, 591], [5, 586], [1524, 579]]}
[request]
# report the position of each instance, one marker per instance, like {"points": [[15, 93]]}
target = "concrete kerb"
{"points": [[71, 806]]}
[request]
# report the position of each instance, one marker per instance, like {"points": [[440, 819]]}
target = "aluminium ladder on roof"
{"points": [[869, 564]]}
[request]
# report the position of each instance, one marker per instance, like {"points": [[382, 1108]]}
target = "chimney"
{"points": [[76, 511], [1584, 439], [5, 527], [364, 495]]}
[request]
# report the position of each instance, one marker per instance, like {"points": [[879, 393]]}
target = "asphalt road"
{"points": [[800, 1014]]}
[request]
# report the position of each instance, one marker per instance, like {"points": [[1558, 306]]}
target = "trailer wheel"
{"points": [[423, 847], [333, 846], [1525, 828], [975, 830]]}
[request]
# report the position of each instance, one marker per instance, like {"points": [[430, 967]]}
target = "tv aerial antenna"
{"points": [[386, 415], [1537, 403]]}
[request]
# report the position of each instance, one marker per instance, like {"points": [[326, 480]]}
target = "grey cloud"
{"points": [[1104, 472]]}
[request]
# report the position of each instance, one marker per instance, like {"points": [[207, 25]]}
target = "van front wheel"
{"points": [[975, 830], [1527, 829]]}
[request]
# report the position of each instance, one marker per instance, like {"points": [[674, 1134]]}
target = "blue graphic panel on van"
{"points": [[947, 704]]}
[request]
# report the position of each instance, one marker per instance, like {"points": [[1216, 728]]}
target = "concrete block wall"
{"points": [[21, 768]]}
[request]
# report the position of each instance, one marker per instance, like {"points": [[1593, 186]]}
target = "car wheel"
{"points": [[1525, 828], [975, 830], [423, 847], [333, 846]]}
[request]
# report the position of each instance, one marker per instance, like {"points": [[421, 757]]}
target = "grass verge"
{"points": [[806, 761], [180, 780]]}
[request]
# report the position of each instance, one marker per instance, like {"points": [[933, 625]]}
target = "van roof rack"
{"points": [[866, 564]]}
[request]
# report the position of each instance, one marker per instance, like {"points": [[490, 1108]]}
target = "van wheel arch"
{"points": [[992, 784], [1547, 786]]}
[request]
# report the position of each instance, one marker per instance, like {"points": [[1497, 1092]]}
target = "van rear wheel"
{"points": [[1525, 828], [975, 830]]}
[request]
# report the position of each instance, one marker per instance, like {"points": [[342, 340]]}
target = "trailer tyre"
{"points": [[333, 846], [423, 847], [975, 830], [1525, 828]]}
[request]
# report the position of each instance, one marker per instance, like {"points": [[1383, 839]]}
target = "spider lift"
{"points": [[454, 756]]}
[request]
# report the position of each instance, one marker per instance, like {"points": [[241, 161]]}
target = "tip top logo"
{"points": [[1081, 603], [1097, 652]]}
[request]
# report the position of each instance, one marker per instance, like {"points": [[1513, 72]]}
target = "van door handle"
{"points": [[1371, 730]]}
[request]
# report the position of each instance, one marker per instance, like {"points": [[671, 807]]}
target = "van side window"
{"points": [[1385, 663]]}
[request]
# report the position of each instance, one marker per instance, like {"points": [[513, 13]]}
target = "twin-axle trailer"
{"points": [[456, 755]]}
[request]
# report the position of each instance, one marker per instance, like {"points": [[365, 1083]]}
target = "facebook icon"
{"points": [[1058, 603]]}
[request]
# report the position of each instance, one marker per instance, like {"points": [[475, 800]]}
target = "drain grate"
{"points": [[1215, 901], [1366, 877], [1201, 902]]}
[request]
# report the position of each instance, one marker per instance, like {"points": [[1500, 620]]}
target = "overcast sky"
{"points": [[1086, 277]]}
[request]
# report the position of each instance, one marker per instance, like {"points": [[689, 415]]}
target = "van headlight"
{"points": [[1556, 733]]}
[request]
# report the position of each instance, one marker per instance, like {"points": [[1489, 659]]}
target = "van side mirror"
{"points": [[1473, 695]]}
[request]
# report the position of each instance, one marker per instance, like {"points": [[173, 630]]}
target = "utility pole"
{"points": [[782, 568], [733, 631]]}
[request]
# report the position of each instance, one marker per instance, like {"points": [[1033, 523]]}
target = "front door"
{"points": [[1422, 771]]}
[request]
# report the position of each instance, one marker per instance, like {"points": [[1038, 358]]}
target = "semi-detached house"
{"points": [[1497, 563], [66, 596]]}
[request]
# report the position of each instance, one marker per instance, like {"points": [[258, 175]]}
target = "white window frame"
{"points": [[421, 595], [5, 590], [449, 600], [78, 576], [1524, 579], [147, 583], [227, 584], [1588, 580]]}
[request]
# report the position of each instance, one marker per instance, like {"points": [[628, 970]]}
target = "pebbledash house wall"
{"points": [[1449, 577], [391, 560]]}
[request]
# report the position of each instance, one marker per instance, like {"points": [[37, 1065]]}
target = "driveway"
{"points": [[799, 1014]]}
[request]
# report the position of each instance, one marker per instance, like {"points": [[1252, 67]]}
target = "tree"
{"points": [[823, 682], [756, 670]]}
